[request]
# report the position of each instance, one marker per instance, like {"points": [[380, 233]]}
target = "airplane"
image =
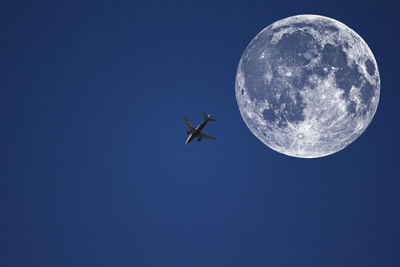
{"points": [[196, 132]]}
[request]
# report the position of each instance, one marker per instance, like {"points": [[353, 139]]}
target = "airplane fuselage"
{"points": [[196, 132]]}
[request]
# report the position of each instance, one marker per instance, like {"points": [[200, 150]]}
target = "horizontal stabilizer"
{"points": [[208, 117]]}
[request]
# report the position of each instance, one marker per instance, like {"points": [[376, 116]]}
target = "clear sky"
{"points": [[94, 167]]}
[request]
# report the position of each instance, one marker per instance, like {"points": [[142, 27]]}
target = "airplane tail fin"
{"points": [[208, 117]]}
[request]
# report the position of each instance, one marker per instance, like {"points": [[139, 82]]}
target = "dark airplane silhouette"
{"points": [[196, 132]]}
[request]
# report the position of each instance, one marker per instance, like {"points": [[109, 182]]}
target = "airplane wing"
{"points": [[189, 124], [205, 136]]}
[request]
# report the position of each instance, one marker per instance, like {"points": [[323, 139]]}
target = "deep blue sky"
{"points": [[94, 169]]}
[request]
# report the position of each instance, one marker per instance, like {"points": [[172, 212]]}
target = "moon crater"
{"points": [[307, 86]]}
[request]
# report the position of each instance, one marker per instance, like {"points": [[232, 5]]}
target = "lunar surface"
{"points": [[307, 86]]}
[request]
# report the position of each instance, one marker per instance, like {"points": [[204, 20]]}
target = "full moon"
{"points": [[307, 86]]}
